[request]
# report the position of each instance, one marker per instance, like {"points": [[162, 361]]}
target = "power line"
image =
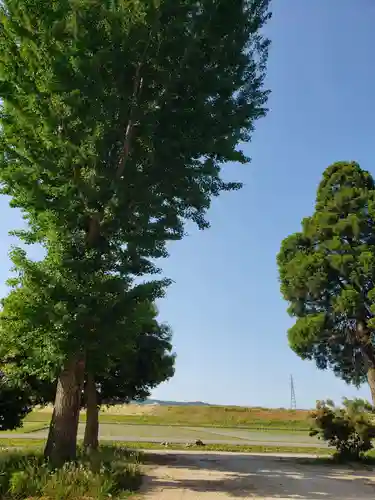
{"points": [[293, 403]]}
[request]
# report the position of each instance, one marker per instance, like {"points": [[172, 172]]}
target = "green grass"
{"points": [[225, 417], [37, 444], [232, 448], [262, 425]]}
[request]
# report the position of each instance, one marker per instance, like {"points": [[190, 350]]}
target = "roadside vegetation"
{"points": [[349, 429]]}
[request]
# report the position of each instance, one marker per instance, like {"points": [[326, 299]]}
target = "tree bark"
{"points": [[368, 352], [91, 439], [61, 444], [371, 382]]}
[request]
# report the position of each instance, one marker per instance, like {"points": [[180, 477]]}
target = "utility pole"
{"points": [[293, 404]]}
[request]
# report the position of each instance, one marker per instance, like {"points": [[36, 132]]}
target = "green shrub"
{"points": [[15, 404], [109, 473], [350, 428]]}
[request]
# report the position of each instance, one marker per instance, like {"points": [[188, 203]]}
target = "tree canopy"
{"points": [[117, 117], [145, 361], [142, 362], [119, 122], [327, 274]]}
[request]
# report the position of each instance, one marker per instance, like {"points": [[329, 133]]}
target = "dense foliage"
{"points": [[43, 308], [117, 117], [118, 123], [142, 362], [15, 404], [327, 274], [146, 363], [350, 429]]}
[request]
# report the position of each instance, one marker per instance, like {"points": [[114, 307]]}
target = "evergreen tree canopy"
{"points": [[327, 274]]}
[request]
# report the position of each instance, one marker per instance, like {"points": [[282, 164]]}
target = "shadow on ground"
{"points": [[240, 476]]}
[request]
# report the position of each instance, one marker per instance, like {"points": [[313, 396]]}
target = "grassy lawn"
{"points": [[233, 448], [323, 455], [199, 416], [37, 444]]}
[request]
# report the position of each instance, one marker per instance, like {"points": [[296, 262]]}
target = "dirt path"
{"points": [[209, 476]]}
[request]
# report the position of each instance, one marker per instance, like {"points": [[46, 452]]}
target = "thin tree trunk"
{"points": [[371, 382], [364, 336], [61, 444], [49, 443], [91, 439]]}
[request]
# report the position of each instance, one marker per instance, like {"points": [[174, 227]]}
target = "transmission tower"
{"points": [[293, 404]]}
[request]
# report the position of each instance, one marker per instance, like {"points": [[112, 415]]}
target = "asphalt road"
{"points": [[183, 435]]}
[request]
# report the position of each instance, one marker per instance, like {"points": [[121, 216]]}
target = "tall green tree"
{"points": [[37, 319], [145, 360], [327, 274], [134, 355], [117, 117]]}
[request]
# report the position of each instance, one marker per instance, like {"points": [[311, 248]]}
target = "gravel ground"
{"points": [[210, 476]]}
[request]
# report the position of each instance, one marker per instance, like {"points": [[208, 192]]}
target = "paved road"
{"points": [[174, 434], [216, 476]]}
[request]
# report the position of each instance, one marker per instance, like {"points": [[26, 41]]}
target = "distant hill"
{"points": [[171, 403]]}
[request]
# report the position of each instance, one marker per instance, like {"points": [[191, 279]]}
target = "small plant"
{"points": [[350, 428], [109, 473]]}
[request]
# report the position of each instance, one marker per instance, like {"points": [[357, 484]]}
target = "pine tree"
{"points": [[327, 273]]}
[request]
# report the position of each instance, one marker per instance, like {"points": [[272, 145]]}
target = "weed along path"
{"points": [[210, 476]]}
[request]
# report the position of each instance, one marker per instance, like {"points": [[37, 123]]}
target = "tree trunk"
{"points": [[371, 382], [364, 336], [61, 444], [49, 443], [91, 439]]}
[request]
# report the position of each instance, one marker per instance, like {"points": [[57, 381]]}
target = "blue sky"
{"points": [[225, 308], [229, 319]]}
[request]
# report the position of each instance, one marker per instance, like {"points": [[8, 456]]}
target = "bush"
{"points": [[109, 473], [14, 405], [350, 428]]}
